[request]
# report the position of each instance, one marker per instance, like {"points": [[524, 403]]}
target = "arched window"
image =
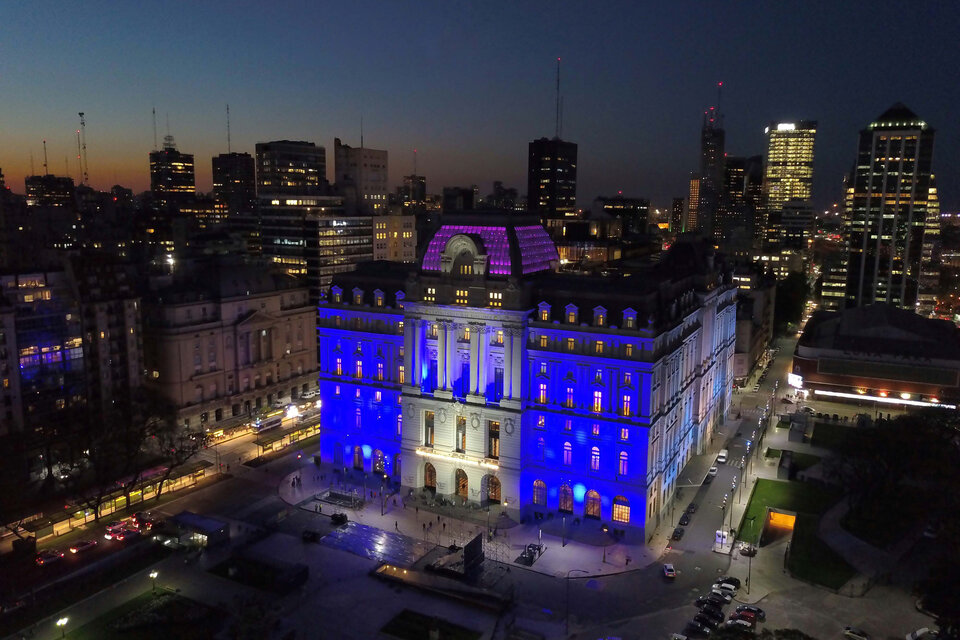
{"points": [[541, 447], [377, 461], [591, 507], [567, 453], [358, 458], [622, 467], [493, 489], [429, 477], [595, 459], [621, 509], [566, 499], [540, 493], [462, 488]]}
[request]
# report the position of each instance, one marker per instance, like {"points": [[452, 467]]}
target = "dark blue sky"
{"points": [[469, 84]]}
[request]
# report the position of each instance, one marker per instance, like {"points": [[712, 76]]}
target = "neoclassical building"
{"points": [[483, 375]]}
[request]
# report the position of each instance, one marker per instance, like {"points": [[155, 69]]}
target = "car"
{"points": [[707, 621], [757, 611], [712, 472], [692, 507], [923, 633], [715, 600], [712, 609], [726, 587], [694, 627], [931, 531], [712, 614], [677, 533], [144, 520], [669, 571], [744, 615], [747, 549], [708, 601], [722, 456], [83, 545], [124, 533], [729, 580], [685, 519], [48, 556], [853, 633], [725, 595], [113, 528], [741, 624]]}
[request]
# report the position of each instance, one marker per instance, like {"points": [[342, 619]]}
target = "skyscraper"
{"points": [[234, 183], [552, 178], [712, 145], [287, 167], [887, 211], [172, 178], [676, 215], [363, 172], [730, 213], [693, 203], [789, 170]]}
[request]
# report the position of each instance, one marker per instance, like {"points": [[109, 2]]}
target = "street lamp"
{"points": [[566, 623], [153, 577], [62, 624]]}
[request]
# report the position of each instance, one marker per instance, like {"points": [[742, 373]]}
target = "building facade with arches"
{"points": [[487, 377]]}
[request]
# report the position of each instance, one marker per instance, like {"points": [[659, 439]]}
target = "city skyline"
{"points": [[468, 92]]}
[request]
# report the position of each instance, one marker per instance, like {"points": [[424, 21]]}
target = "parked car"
{"points": [[747, 549], [757, 611], [712, 472], [716, 617], [83, 545], [677, 533], [721, 594], [853, 633], [726, 587], [719, 601], [692, 507], [144, 520], [743, 624], [685, 519], [729, 580], [708, 601], [722, 456], [706, 621], [712, 609], [48, 556], [922, 633], [695, 628], [744, 615]]}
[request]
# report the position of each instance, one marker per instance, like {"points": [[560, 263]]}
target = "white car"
{"points": [[725, 595], [712, 472], [727, 587]]}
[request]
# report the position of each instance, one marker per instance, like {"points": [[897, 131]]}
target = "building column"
{"points": [[451, 354], [507, 362], [482, 365], [474, 359], [417, 351], [516, 365], [441, 356], [408, 341]]}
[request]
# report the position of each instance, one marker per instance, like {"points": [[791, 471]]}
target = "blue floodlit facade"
{"points": [[486, 377]]}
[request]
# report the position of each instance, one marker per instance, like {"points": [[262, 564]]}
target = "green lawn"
{"points": [[799, 497], [812, 560], [831, 436], [150, 616], [804, 461], [772, 453]]}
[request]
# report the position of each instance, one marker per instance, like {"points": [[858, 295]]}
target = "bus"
{"points": [[269, 420]]}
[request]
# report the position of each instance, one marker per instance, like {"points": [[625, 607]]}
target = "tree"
{"points": [[939, 594]]}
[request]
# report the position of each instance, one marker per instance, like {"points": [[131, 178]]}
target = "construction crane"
{"points": [[83, 138]]}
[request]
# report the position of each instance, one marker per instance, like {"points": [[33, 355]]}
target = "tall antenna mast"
{"points": [[46, 171], [83, 138], [719, 90], [560, 128], [557, 124], [228, 128], [154, 129], [79, 161]]}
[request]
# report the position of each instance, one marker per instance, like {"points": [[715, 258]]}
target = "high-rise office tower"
{"points": [[413, 193], [789, 169], [712, 144], [730, 213], [363, 172], [930, 261], [753, 193], [287, 167], [234, 183], [552, 178], [887, 211], [693, 203], [172, 178], [50, 191], [677, 215]]}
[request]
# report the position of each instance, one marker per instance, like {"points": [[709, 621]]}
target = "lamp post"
{"points": [[563, 531], [381, 498], [62, 625], [153, 578], [566, 623]]}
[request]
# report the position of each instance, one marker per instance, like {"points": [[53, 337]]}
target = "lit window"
{"points": [[400, 377], [568, 403], [626, 378], [622, 465], [540, 493], [466, 333], [595, 429], [542, 396], [568, 425], [358, 418], [500, 336], [462, 296], [544, 315], [433, 331], [571, 343], [597, 401], [601, 320], [595, 459], [571, 317], [567, 453], [359, 369], [543, 368], [624, 433], [496, 299], [543, 342], [629, 350], [379, 371], [430, 295], [399, 425], [621, 509], [599, 346], [338, 367], [336, 390], [541, 421], [378, 396], [625, 405]]}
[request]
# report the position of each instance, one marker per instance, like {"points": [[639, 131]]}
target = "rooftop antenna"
{"points": [[228, 128], [79, 162], [560, 128], [83, 137], [557, 125], [46, 171], [719, 90], [154, 129]]}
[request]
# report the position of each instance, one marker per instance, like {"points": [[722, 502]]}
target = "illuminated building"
{"points": [[712, 156], [930, 260], [634, 213], [227, 338], [756, 296], [878, 355], [789, 167], [50, 191], [732, 208], [395, 237], [693, 203], [486, 377], [361, 174], [552, 178], [413, 193], [291, 167], [887, 212], [172, 178], [677, 215], [234, 184]]}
